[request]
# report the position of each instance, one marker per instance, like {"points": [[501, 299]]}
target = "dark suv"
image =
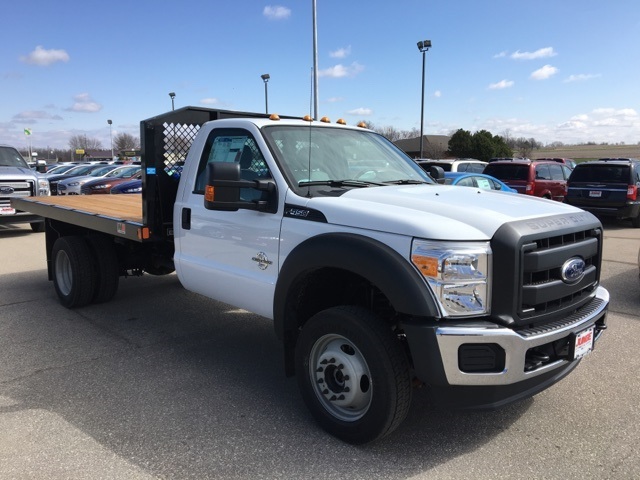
{"points": [[607, 187], [545, 179]]}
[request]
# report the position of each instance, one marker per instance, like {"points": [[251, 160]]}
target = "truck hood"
{"points": [[436, 212], [15, 173]]}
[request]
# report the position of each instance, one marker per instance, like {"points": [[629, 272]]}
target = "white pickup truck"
{"points": [[376, 278]]}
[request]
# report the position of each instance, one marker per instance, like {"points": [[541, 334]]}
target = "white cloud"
{"points": [[341, 52], [361, 111], [209, 101], [581, 77], [32, 116], [85, 104], [437, 94], [540, 53], [276, 12], [43, 57], [500, 55], [340, 71], [544, 73], [501, 84]]}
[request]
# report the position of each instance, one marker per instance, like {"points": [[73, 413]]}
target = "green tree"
{"points": [[461, 144]]}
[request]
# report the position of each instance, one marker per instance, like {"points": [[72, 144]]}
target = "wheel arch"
{"points": [[318, 272]]}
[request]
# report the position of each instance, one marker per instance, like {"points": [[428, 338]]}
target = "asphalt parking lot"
{"points": [[162, 383]]}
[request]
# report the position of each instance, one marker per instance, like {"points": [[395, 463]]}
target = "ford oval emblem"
{"points": [[6, 190], [572, 270]]}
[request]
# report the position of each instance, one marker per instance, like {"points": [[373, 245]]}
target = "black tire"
{"points": [[106, 267], [158, 270], [353, 374], [37, 226], [73, 271]]}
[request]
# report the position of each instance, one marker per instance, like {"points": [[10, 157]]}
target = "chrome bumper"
{"points": [[515, 345]]}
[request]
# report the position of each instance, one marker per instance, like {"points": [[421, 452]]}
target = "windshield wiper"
{"points": [[407, 182], [339, 183]]}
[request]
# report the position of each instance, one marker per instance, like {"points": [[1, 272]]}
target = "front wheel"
{"points": [[353, 374]]}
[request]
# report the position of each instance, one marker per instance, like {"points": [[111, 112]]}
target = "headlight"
{"points": [[459, 274], [74, 184], [43, 187]]}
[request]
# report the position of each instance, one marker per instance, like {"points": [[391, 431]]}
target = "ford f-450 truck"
{"points": [[17, 180], [376, 278]]}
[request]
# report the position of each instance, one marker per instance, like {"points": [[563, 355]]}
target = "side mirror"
{"points": [[222, 191], [437, 173]]}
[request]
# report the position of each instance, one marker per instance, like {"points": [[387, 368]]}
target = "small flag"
{"points": [[27, 131]]}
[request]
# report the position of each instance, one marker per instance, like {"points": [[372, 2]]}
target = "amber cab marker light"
{"points": [[341, 121], [274, 116], [325, 120], [209, 193], [362, 125], [307, 118]]}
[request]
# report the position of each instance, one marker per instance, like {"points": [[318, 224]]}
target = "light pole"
{"points": [[110, 137], [423, 46], [265, 78], [172, 95]]}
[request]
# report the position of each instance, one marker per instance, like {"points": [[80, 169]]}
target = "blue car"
{"points": [[476, 180], [132, 186]]}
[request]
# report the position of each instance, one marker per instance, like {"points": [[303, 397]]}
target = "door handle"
{"points": [[186, 219]]}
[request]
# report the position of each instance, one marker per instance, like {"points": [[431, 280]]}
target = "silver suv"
{"points": [[18, 180]]}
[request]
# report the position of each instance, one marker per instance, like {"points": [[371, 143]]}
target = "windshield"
{"points": [[99, 172], [10, 157], [339, 158]]}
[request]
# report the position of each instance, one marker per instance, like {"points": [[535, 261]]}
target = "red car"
{"points": [[547, 179], [104, 184]]}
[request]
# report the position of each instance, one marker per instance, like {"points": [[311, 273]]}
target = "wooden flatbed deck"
{"points": [[122, 207], [118, 215]]}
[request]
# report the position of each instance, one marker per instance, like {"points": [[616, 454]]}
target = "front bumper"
{"points": [[436, 352]]}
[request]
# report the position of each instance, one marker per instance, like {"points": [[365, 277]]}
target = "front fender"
{"points": [[382, 266]]}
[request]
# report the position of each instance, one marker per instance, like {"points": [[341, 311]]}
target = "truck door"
{"points": [[228, 256]]}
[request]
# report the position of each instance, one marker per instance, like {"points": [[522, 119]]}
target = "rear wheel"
{"points": [[106, 266], [73, 271], [353, 374]]}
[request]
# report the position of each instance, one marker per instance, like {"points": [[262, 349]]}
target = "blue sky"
{"points": [[562, 70]]}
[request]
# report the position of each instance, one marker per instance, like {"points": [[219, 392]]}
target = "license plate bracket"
{"points": [[581, 343], [595, 193]]}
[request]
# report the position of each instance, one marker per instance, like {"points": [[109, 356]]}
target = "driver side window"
{"points": [[233, 145]]}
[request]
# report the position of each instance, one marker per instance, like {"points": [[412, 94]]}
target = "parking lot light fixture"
{"points": [[111, 137], [172, 95], [266, 78], [423, 46]]}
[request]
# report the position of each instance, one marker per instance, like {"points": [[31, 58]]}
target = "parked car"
{"points": [[132, 186], [104, 185], [477, 180], [607, 187], [77, 171], [565, 161], [532, 177], [71, 186], [453, 164]]}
